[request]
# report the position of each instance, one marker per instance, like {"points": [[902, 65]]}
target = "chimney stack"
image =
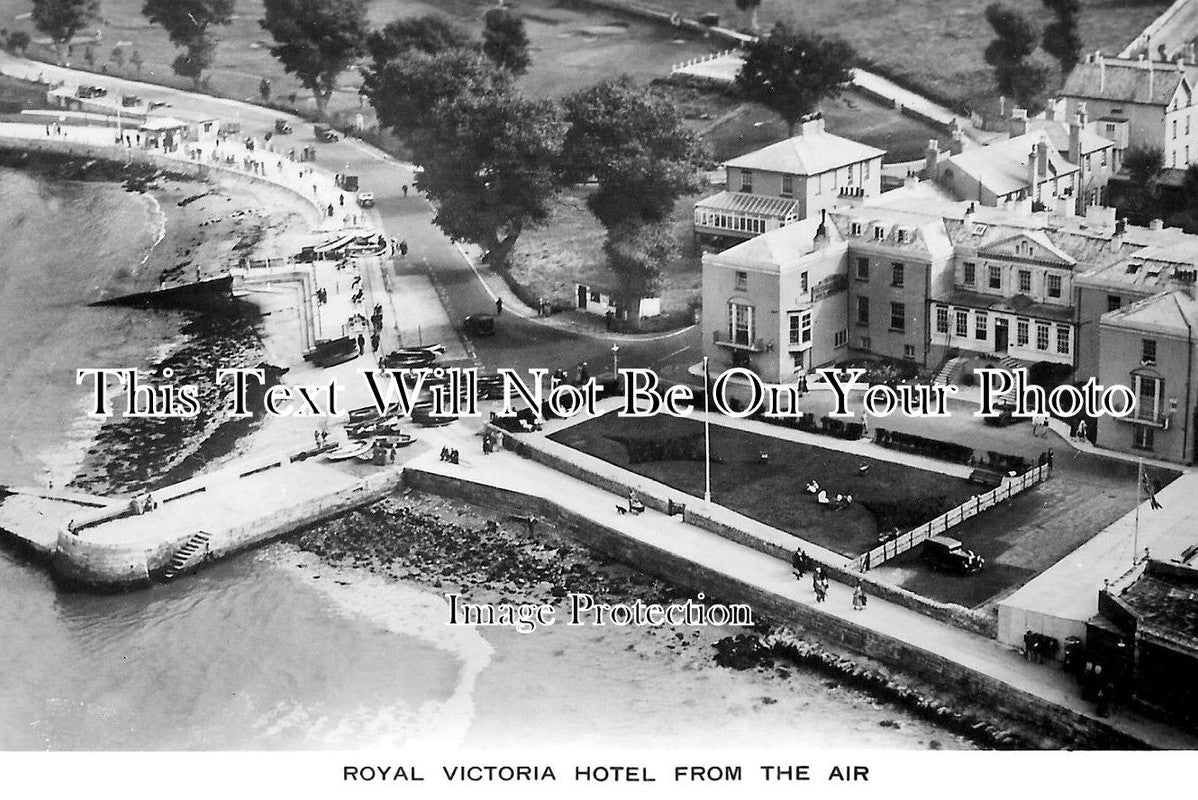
{"points": [[1156, 225], [1018, 125], [957, 145], [1042, 158], [1101, 71], [1075, 139], [1031, 171], [931, 156]]}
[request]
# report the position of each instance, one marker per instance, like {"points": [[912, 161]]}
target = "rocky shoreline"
{"points": [[492, 556]]}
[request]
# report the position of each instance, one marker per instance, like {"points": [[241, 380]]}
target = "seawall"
{"points": [[1061, 726]]}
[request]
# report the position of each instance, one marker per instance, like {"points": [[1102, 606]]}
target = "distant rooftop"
{"points": [[1165, 602], [1127, 80], [1171, 312], [1001, 167], [812, 152]]}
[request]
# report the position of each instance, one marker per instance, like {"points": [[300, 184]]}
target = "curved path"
{"points": [[436, 285]]}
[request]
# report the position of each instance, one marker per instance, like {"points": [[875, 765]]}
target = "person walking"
{"points": [[405, 190], [498, 306], [798, 564], [819, 585], [859, 598], [361, 344], [403, 248]]}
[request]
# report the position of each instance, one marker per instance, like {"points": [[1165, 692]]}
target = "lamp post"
{"points": [[615, 361], [706, 435]]}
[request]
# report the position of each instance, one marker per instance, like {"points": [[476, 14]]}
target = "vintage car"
{"points": [[479, 325], [943, 552], [366, 199]]}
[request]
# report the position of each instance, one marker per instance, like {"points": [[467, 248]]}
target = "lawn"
{"points": [[936, 44], [772, 492]]}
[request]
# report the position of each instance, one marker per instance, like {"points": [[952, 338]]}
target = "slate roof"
{"points": [[1126, 81], [811, 153]]}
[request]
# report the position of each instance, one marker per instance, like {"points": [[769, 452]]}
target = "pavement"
{"points": [[987, 656]]}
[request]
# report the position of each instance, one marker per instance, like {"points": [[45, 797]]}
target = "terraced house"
{"points": [[1138, 103], [786, 182]]}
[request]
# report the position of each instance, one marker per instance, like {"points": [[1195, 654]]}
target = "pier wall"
{"points": [[1063, 726], [85, 560]]}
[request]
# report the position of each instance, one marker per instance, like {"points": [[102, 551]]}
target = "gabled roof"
{"points": [[1126, 81], [1170, 312], [811, 153], [1002, 167], [1005, 243], [778, 249], [1058, 134]]}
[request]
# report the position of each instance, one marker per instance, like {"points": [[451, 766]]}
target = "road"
{"points": [[1173, 29], [520, 342]]}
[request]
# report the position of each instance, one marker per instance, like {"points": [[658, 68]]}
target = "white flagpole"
{"points": [[1135, 544], [706, 434]]}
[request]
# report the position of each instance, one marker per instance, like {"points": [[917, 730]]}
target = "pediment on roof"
{"points": [[1027, 247]]}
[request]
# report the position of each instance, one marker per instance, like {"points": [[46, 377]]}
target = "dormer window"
{"points": [[903, 236], [979, 229], [855, 229], [1133, 268], [879, 232]]}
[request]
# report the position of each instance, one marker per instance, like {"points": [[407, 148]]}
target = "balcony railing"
{"points": [[739, 342], [1145, 416]]}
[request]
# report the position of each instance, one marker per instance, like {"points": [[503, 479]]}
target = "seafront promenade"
{"points": [[703, 560]]}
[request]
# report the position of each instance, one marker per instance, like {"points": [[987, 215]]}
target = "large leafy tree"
{"points": [[406, 91], [490, 166], [791, 72], [504, 40], [62, 19], [430, 35], [1019, 71], [752, 7], [187, 24], [636, 254], [1061, 39], [633, 141], [316, 40]]}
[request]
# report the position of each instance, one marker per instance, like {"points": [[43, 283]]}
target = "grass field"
{"points": [[770, 493], [936, 44]]}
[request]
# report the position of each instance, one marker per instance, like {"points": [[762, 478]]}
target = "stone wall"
{"points": [[1060, 725]]}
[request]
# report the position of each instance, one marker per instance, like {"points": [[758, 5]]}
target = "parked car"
{"points": [[282, 126], [366, 199], [479, 325], [324, 133], [942, 552]]}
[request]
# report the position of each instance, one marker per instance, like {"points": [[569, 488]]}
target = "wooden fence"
{"points": [[953, 517]]}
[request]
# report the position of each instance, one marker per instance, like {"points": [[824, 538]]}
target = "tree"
{"points": [[1061, 39], [62, 19], [505, 41], [634, 142], [791, 72], [1030, 80], [490, 166], [406, 92], [751, 6], [1139, 201], [18, 41], [636, 254], [430, 35], [187, 24], [1015, 40], [117, 57], [316, 40], [136, 60]]}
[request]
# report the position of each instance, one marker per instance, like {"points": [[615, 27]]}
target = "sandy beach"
{"points": [[207, 227], [642, 686]]}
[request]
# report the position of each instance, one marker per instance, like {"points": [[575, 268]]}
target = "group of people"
{"points": [[321, 437], [819, 581], [490, 441], [1037, 647], [840, 502], [450, 455]]}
